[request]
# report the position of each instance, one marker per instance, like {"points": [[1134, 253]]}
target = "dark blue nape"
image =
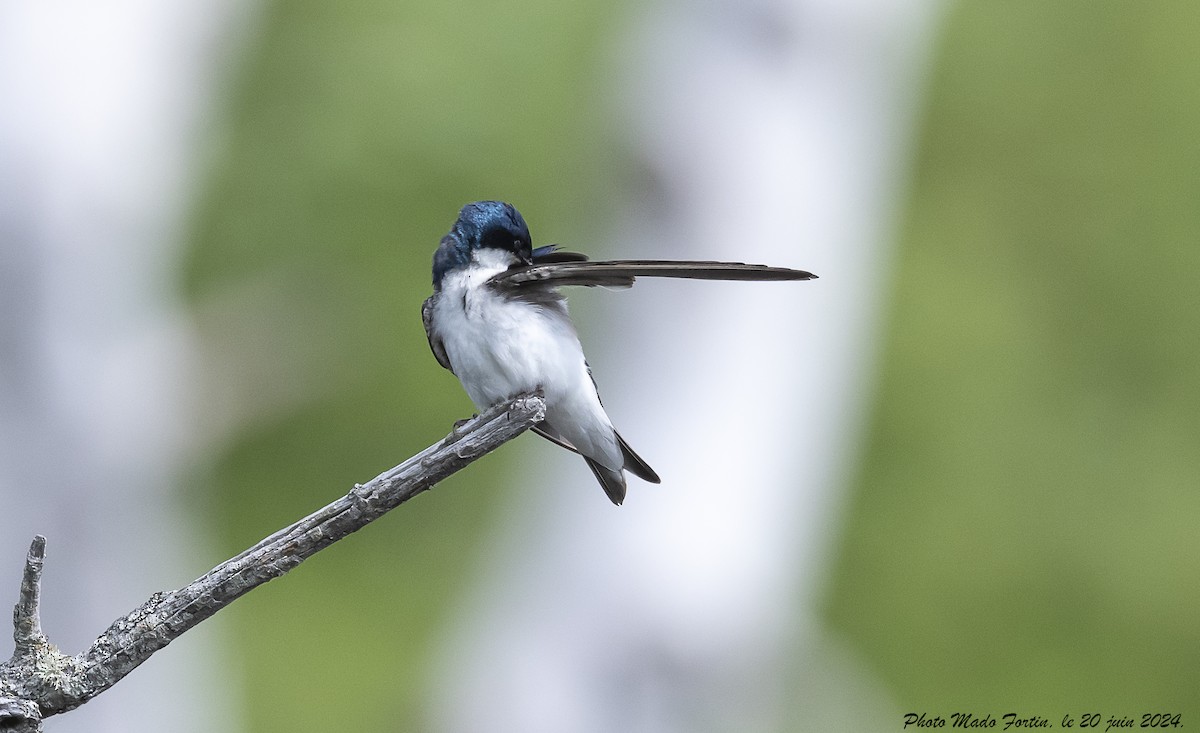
{"points": [[482, 224]]}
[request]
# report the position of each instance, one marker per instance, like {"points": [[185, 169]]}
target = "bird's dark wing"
{"points": [[544, 430], [435, 343], [622, 273], [612, 481], [551, 254]]}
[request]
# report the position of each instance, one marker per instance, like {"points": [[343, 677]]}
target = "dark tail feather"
{"points": [[613, 482], [634, 463]]}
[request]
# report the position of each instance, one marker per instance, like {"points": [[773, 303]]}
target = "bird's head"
{"points": [[485, 231]]}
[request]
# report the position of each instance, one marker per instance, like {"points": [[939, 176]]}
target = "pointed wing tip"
{"points": [[618, 497], [790, 273]]}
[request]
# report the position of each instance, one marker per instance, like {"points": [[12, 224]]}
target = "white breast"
{"points": [[500, 347]]}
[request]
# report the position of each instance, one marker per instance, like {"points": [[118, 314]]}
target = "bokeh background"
{"points": [[1015, 525]]}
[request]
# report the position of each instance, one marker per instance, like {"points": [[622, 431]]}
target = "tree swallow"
{"points": [[498, 322]]}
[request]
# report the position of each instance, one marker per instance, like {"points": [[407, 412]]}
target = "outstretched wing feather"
{"points": [[622, 273]]}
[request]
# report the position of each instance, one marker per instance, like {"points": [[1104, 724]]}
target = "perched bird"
{"points": [[497, 320]]}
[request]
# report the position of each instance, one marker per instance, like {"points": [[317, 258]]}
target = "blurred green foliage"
{"points": [[1023, 535], [353, 132]]}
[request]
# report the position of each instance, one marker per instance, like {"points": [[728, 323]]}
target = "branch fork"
{"points": [[40, 681]]}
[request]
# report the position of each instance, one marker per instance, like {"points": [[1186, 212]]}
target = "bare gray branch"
{"points": [[27, 618], [40, 681]]}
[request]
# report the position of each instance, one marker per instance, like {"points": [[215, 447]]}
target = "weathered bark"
{"points": [[40, 681]]}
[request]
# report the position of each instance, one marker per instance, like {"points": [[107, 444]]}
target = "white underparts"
{"points": [[499, 347]]}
